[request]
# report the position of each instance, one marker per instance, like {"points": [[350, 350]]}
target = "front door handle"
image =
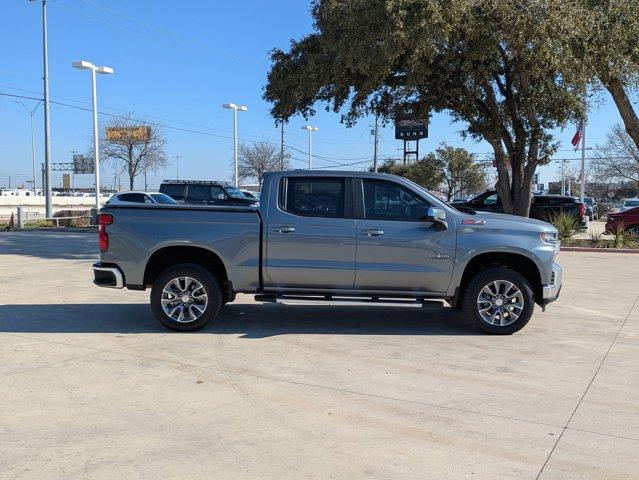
{"points": [[284, 229], [373, 232]]}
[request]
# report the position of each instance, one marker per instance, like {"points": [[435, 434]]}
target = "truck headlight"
{"points": [[548, 237]]}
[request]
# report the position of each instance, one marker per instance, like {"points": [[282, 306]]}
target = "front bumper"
{"points": [[107, 275], [551, 291]]}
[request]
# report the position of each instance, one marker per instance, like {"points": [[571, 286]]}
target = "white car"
{"points": [[128, 198], [629, 203]]}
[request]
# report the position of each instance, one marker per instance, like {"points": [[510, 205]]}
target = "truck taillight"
{"points": [[582, 210], [104, 219]]}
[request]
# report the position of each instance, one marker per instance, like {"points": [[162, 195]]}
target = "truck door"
{"points": [[310, 234], [397, 249]]}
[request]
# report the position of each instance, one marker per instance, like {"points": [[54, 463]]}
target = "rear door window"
{"points": [[175, 191], [315, 197], [133, 197], [199, 193]]}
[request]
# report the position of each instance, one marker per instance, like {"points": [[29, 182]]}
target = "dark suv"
{"points": [[202, 192], [542, 207]]}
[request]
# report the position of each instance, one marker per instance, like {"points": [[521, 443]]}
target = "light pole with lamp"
{"points": [[235, 108], [310, 130], [33, 155], [84, 65]]}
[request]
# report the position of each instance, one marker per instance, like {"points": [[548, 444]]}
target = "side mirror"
{"points": [[437, 216]]}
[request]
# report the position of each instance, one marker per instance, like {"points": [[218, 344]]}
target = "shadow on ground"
{"points": [[246, 320], [50, 245]]}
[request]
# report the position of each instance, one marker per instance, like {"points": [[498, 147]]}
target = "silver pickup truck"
{"points": [[320, 235]]}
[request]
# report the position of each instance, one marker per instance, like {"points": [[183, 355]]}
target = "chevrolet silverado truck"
{"points": [[331, 236]]}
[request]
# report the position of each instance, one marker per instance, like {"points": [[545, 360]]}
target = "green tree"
{"points": [[604, 40], [499, 66], [422, 172], [459, 171]]}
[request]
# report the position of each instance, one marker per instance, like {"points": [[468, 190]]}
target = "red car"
{"points": [[628, 220]]}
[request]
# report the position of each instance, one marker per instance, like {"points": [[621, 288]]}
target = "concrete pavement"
{"points": [[91, 386]]}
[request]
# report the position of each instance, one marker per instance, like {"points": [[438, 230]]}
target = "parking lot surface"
{"points": [[91, 386]]}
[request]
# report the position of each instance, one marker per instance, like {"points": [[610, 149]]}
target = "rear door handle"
{"points": [[284, 229], [373, 232]]}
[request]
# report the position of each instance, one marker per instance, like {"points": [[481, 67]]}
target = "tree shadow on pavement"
{"points": [[246, 320]]}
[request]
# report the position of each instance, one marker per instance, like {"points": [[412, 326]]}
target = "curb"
{"points": [[599, 250]]}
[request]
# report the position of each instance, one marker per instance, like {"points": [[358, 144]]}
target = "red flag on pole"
{"points": [[577, 137]]}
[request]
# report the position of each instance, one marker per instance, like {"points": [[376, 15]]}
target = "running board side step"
{"points": [[347, 301]]}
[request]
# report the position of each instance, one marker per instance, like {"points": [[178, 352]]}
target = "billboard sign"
{"points": [[128, 134], [409, 127], [83, 165]]}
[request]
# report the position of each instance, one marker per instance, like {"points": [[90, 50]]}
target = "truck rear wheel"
{"points": [[499, 301], [186, 297]]}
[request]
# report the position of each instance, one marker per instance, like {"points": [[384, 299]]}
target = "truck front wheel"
{"points": [[186, 297], [498, 301]]}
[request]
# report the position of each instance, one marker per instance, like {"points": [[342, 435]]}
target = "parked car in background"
{"points": [[139, 197], [592, 209], [629, 203], [626, 220], [542, 207], [204, 192]]}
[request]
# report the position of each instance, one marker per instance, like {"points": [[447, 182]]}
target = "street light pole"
{"points": [[33, 154], [84, 65], [310, 131], [235, 108]]}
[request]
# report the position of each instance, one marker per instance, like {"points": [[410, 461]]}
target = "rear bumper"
{"points": [[107, 275], [551, 291]]}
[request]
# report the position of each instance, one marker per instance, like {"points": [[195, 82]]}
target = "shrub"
{"points": [[74, 222], [566, 225], [623, 239]]}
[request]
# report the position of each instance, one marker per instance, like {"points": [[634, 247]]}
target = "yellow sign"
{"points": [[127, 134]]}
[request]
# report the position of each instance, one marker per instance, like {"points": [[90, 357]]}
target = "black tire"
{"points": [[208, 281], [486, 277]]}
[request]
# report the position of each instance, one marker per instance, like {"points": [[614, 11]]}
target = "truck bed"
{"points": [[140, 232]]}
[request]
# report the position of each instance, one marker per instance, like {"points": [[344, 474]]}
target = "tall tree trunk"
{"points": [[131, 181], [627, 112]]}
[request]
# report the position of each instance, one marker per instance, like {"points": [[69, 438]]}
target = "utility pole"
{"points": [[282, 146], [177, 166], [73, 152], [47, 132], [33, 154], [563, 178], [375, 144]]}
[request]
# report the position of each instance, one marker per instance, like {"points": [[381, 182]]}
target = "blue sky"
{"points": [[177, 63]]}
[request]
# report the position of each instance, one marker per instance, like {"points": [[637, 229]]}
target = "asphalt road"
{"points": [[91, 386]]}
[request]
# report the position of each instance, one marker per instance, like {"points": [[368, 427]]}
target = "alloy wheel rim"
{"points": [[184, 299], [500, 303]]}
